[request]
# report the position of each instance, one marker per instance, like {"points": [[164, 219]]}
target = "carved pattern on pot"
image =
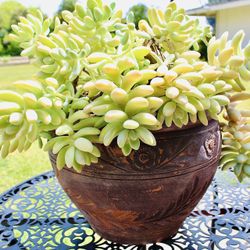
{"points": [[176, 151], [145, 159], [210, 145], [179, 207]]}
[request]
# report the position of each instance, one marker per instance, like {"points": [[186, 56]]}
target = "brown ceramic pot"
{"points": [[145, 197]]}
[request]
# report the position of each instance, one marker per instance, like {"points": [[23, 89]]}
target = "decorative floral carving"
{"points": [[210, 144], [145, 159], [176, 152], [178, 208]]}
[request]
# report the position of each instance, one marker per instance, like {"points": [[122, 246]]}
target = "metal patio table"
{"points": [[38, 215]]}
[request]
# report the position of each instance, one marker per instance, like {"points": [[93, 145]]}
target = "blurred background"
{"points": [[222, 15]]}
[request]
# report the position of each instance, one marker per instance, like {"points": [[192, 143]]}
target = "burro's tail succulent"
{"points": [[101, 81]]}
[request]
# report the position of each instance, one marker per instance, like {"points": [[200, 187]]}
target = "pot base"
{"points": [[140, 239]]}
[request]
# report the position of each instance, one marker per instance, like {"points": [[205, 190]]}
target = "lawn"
{"points": [[19, 167], [10, 74]]}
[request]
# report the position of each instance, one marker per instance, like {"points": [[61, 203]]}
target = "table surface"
{"points": [[38, 215]]}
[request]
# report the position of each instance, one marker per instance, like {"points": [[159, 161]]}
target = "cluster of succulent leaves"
{"points": [[101, 80], [236, 138]]}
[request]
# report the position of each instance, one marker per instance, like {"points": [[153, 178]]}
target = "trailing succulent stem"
{"points": [[101, 80]]}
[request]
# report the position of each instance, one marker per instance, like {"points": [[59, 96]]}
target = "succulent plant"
{"points": [[101, 80], [173, 30], [236, 138]]}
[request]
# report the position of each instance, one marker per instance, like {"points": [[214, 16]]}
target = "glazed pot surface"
{"points": [[145, 197]]}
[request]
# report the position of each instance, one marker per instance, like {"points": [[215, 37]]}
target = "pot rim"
{"points": [[144, 174], [174, 128]]}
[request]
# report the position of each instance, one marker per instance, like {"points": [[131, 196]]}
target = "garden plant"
{"points": [[101, 80]]}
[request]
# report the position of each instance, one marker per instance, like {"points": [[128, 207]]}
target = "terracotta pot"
{"points": [[144, 198]]}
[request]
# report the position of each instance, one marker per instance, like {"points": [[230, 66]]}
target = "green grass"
{"points": [[9, 74], [20, 167]]}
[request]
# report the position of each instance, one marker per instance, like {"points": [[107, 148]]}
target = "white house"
{"points": [[230, 15]]}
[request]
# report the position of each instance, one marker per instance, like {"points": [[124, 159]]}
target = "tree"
{"points": [[10, 11], [67, 5], [140, 12]]}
